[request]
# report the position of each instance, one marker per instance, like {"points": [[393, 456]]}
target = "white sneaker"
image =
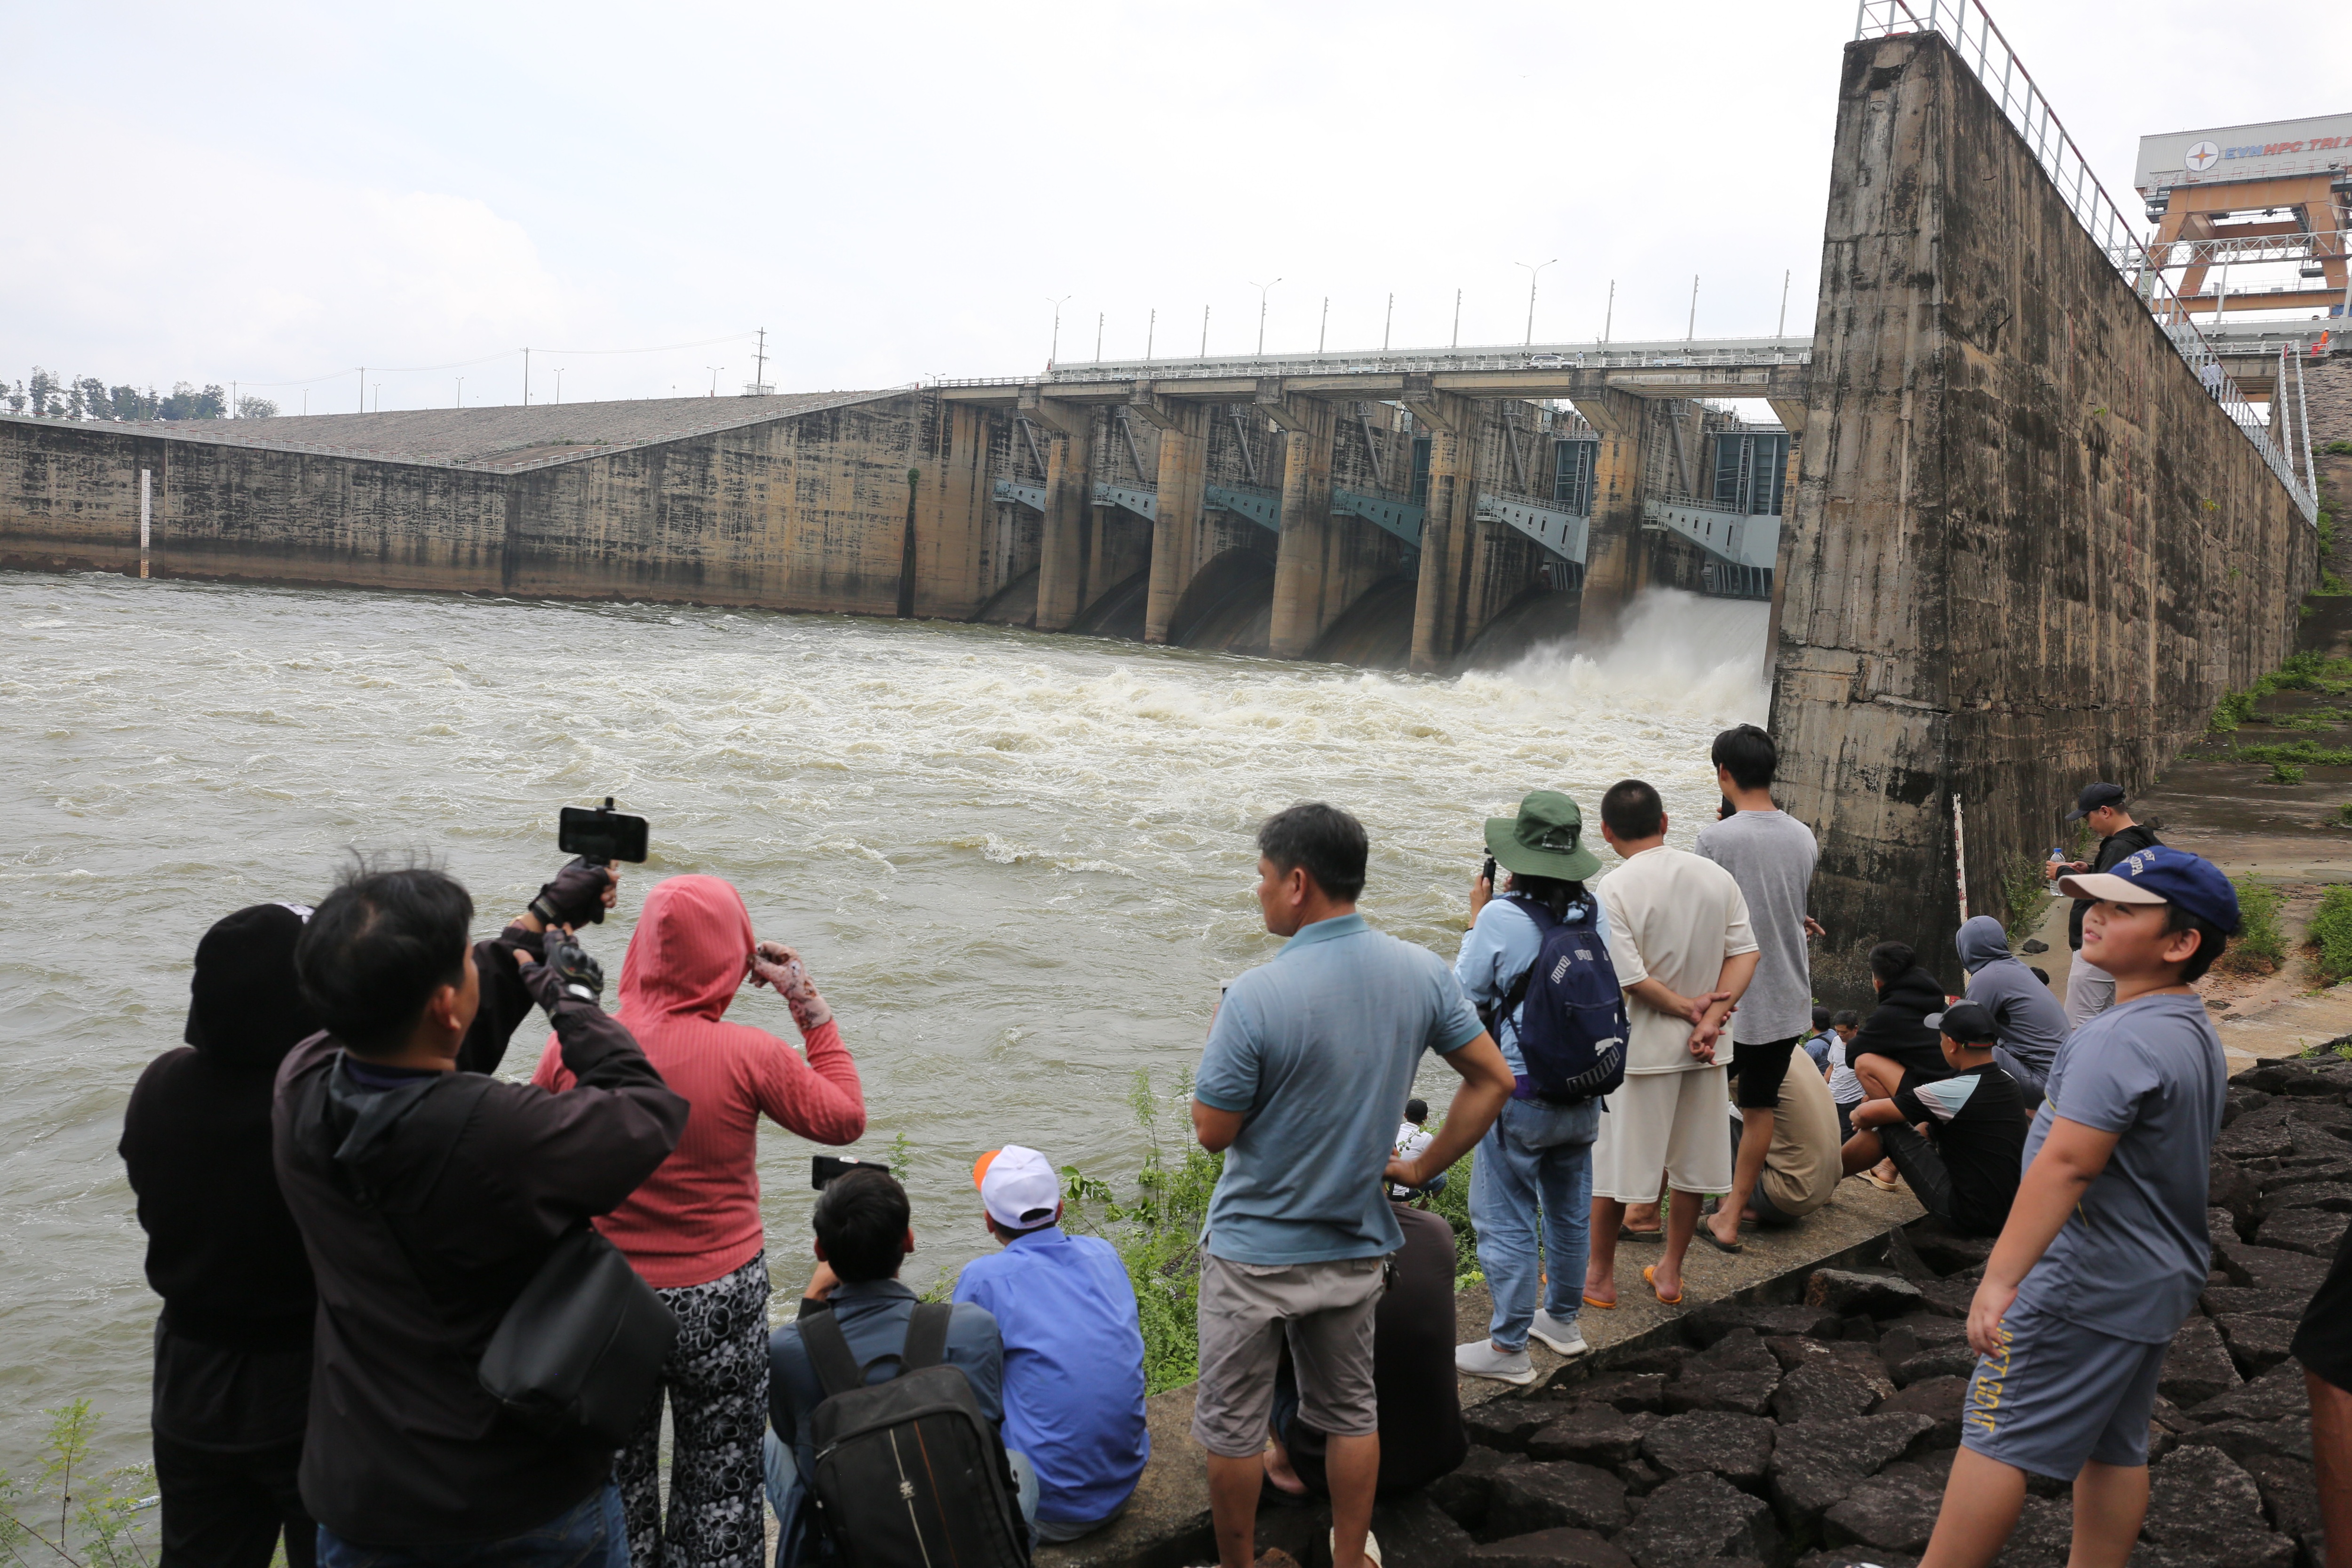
{"points": [[1565, 1338], [1371, 1547], [1481, 1359]]}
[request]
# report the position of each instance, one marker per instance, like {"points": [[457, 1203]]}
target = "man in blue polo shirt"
{"points": [[1073, 1351], [1307, 1069]]}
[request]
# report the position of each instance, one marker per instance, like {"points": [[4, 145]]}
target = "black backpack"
{"points": [[1572, 1028], [909, 1473]]}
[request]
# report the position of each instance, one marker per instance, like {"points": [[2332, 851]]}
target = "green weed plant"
{"points": [[2331, 933], [69, 1516], [2260, 946]]}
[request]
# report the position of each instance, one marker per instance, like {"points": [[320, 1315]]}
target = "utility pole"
{"points": [[1388, 322], [363, 389], [232, 400], [714, 370], [1054, 352], [1457, 317], [1324, 330], [758, 362], [1691, 330], [1261, 288], [461, 392], [1534, 270], [559, 383], [1782, 330], [1204, 331], [526, 378], [1611, 319], [1151, 330], [379, 397], [1099, 325]]}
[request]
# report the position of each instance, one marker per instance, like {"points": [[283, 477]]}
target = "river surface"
{"points": [[1018, 865]]}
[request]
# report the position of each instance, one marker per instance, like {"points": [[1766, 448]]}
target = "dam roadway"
{"points": [[2008, 540]]}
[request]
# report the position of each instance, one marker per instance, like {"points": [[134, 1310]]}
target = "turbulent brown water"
{"points": [[1019, 865]]}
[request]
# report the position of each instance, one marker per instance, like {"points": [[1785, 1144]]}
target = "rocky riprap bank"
{"points": [[1819, 1433]]}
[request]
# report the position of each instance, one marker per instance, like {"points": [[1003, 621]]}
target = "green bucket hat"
{"points": [[1546, 839]]}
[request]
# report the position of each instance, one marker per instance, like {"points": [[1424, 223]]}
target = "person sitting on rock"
{"points": [[1896, 1047], [2106, 1250], [2031, 1024], [1802, 1163], [1967, 1174], [1073, 1350]]}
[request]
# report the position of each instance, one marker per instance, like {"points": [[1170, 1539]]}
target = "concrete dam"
{"points": [[2011, 537]]}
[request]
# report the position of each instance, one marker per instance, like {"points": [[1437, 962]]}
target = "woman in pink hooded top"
{"points": [[693, 1228]]}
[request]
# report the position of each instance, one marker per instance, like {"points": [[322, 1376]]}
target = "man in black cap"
{"points": [[2090, 990]]}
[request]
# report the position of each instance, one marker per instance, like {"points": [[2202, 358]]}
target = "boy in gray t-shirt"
{"points": [[2106, 1248]]}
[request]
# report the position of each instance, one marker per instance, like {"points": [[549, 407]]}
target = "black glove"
{"points": [[568, 971], [576, 896]]}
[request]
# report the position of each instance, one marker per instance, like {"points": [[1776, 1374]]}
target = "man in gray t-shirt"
{"points": [[1770, 855]]}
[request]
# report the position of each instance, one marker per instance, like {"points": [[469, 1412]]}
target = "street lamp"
{"points": [[1261, 288], [461, 392], [1055, 352], [1534, 270], [559, 383], [714, 370]]}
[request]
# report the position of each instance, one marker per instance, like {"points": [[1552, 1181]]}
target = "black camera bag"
{"points": [[579, 1353]]}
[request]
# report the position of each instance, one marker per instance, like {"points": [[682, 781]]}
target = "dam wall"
{"points": [[872, 503], [2027, 550]]}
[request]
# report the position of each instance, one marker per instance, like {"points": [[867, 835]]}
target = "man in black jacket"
{"points": [[1896, 1046], [428, 1194], [2090, 990]]}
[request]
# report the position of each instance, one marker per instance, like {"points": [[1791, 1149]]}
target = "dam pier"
{"points": [[2019, 519]]}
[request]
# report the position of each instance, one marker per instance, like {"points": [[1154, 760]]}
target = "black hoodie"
{"points": [[2115, 849], [232, 1344], [1898, 1029], [427, 1201]]}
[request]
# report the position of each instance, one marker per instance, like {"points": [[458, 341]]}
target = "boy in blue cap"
{"points": [[2106, 1248]]}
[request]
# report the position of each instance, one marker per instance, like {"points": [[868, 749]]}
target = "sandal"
{"points": [[1650, 1277], [1707, 1234], [1627, 1233], [1604, 1306]]}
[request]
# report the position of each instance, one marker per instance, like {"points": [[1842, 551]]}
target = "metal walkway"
{"points": [[1561, 533]]}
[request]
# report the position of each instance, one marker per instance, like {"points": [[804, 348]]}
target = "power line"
{"points": [[485, 359]]}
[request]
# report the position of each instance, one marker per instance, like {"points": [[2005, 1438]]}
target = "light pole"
{"points": [[1610, 320], [1457, 317], [714, 370], [559, 383], [1534, 270], [461, 392], [1690, 331], [1261, 288], [1054, 352]]}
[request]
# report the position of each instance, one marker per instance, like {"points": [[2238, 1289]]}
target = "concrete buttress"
{"points": [[1302, 562], [1177, 520], [1438, 613], [1062, 564]]}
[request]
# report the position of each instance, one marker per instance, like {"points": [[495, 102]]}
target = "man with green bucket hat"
{"points": [[1535, 1165]]}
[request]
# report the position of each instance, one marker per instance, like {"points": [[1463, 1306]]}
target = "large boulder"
{"points": [[1414, 1532], [1816, 1464], [1507, 1421], [1831, 1388], [2336, 1197], [1736, 1373], [2197, 1366], [2224, 1302], [2314, 1230], [2256, 1343], [2202, 1505], [2276, 1395], [1945, 1250], [1590, 1434], [1465, 1492], [2290, 1499], [1710, 1442], [1561, 1494], [2259, 1134], [2246, 1441], [1623, 1390], [1852, 1294], [1695, 1518], [1711, 1322], [1894, 1511], [1939, 1399], [2045, 1536], [1545, 1549], [2270, 1267]]}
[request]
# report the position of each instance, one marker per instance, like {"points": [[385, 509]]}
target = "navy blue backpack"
{"points": [[1573, 1025]]}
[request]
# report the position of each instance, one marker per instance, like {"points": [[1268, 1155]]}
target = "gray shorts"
{"points": [[2057, 1393], [1246, 1309]]}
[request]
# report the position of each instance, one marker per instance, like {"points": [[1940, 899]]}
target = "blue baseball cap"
{"points": [[2160, 874]]}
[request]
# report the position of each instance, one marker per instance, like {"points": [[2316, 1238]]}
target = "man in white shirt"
{"points": [[1680, 939]]}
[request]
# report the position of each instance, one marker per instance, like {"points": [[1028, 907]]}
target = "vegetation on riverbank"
{"points": [[2260, 946], [65, 1515], [2330, 932]]}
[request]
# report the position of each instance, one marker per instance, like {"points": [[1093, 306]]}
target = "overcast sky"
{"points": [[274, 193]]}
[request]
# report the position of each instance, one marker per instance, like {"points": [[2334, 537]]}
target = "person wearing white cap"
{"points": [[1073, 1350]]}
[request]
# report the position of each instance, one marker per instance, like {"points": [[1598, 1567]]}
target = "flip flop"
{"points": [[1604, 1306], [1708, 1236], [1881, 1182], [1650, 1277], [1627, 1233]]}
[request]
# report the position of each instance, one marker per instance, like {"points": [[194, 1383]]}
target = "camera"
{"points": [[824, 1168], [601, 837]]}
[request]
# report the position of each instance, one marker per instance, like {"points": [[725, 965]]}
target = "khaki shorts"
{"points": [[1246, 1309], [1670, 1120]]}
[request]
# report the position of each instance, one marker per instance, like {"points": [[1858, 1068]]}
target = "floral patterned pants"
{"points": [[716, 1383]]}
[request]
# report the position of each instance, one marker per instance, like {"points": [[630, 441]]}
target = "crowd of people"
{"points": [[417, 1314]]}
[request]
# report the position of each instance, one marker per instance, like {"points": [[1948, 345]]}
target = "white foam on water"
{"points": [[1019, 865]]}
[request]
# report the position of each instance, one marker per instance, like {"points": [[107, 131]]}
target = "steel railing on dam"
{"points": [[1675, 353], [1981, 47]]}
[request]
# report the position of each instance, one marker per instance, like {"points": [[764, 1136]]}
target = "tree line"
{"points": [[86, 397]]}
